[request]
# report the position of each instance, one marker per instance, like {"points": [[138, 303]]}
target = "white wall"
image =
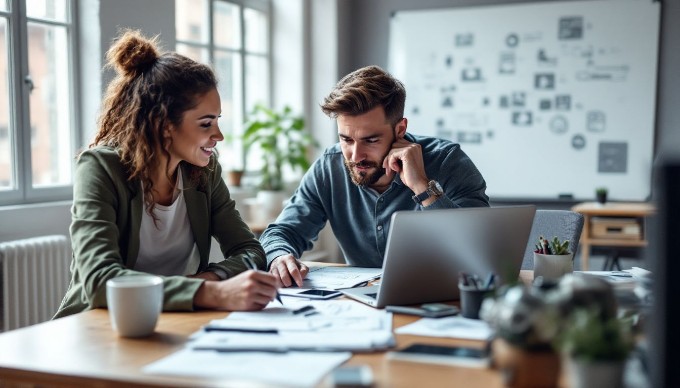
{"points": [[19, 222]]}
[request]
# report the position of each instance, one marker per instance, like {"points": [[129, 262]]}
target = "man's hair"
{"points": [[364, 89]]}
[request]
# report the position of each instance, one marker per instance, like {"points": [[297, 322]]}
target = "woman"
{"points": [[148, 193]]}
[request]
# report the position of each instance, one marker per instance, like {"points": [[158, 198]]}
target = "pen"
{"points": [[303, 310], [463, 278], [489, 281], [249, 263], [233, 350], [241, 330]]}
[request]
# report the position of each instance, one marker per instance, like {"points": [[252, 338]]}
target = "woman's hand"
{"points": [[250, 290]]}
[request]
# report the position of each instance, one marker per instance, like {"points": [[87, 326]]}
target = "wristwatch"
{"points": [[434, 189]]}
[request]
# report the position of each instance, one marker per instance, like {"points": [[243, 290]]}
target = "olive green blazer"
{"points": [[106, 217]]}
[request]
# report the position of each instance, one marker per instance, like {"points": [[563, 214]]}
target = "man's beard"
{"points": [[364, 178]]}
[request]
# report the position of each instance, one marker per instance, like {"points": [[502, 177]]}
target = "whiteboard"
{"points": [[547, 99]]}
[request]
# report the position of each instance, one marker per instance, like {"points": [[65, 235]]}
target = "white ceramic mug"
{"points": [[134, 302], [552, 267]]}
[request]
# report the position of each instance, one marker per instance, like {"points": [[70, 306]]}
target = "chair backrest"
{"points": [[564, 224]]}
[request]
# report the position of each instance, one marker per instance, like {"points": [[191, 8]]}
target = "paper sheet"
{"points": [[337, 278], [286, 369], [454, 327]]}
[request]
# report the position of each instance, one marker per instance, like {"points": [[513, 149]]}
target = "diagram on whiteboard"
{"points": [[547, 99]]}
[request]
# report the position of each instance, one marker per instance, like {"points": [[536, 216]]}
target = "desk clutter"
{"points": [[299, 344], [523, 332]]}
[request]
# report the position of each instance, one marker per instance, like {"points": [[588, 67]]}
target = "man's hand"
{"points": [[288, 270], [406, 159]]}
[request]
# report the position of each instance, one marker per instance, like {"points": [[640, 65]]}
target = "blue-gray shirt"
{"points": [[359, 216]]}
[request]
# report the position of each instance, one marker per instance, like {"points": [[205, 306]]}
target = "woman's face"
{"points": [[195, 138]]}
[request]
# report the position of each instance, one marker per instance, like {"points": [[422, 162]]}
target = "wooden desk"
{"points": [[620, 210], [83, 350]]}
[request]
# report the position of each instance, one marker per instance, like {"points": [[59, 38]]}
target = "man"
{"points": [[374, 170]]}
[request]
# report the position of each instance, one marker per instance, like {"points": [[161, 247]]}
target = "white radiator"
{"points": [[34, 274]]}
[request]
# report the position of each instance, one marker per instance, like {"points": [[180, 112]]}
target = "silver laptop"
{"points": [[427, 249]]}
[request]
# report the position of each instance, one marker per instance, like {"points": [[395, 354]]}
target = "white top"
{"points": [[168, 248]]}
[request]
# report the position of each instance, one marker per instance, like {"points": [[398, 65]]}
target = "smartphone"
{"points": [[429, 310], [352, 376], [441, 354], [315, 294]]}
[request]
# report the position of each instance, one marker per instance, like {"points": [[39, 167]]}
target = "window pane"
{"points": [[48, 62], [47, 9], [227, 25], [191, 21], [6, 154], [256, 31], [3, 5], [230, 75], [257, 81], [198, 54]]}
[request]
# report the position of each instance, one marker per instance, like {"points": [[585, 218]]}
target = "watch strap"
{"points": [[433, 190]]}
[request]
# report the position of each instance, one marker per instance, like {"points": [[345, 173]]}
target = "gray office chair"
{"points": [[564, 224]]}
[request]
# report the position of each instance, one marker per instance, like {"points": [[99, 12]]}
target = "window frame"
{"points": [[23, 191], [264, 6]]}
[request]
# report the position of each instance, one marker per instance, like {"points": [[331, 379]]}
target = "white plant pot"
{"points": [[270, 204], [553, 267], [595, 374]]}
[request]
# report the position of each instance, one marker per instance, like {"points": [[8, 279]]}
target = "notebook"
{"points": [[427, 249]]}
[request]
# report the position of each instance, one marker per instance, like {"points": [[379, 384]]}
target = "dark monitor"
{"points": [[663, 328]]}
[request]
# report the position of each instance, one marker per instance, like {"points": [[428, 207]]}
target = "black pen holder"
{"points": [[471, 299]]}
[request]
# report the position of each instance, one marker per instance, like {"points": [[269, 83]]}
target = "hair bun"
{"points": [[132, 53]]}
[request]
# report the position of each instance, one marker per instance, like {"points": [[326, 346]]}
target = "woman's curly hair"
{"points": [[150, 92]]}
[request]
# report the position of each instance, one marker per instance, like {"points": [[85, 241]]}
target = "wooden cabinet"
{"points": [[614, 224]]}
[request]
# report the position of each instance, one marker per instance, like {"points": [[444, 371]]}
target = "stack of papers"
{"points": [[337, 278], [629, 288], [625, 280], [295, 344], [326, 326]]}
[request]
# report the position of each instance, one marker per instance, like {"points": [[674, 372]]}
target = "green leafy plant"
{"points": [[552, 247], [282, 139], [590, 336], [601, 191]]}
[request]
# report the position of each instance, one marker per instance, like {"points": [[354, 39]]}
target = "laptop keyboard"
{"points": [[372, 295]]}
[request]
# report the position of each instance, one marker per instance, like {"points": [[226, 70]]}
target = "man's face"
{"points": [[365, 141]]}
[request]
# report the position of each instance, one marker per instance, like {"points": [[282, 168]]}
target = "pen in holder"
{"points": [[472, 293]]}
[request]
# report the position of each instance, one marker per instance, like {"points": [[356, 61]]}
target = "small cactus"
{"points": [[554, 247]]}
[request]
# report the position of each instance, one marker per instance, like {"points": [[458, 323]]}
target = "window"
{"points": [[37, 121], [233, 36]]}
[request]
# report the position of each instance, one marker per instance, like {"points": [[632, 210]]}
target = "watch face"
{"points": [[436, 188]]}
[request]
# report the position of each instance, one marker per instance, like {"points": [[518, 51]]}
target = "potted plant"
{"points": [[525, 324], [577, 315], [601, 195], [597, 346], [552, 258], [283, 142]]}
